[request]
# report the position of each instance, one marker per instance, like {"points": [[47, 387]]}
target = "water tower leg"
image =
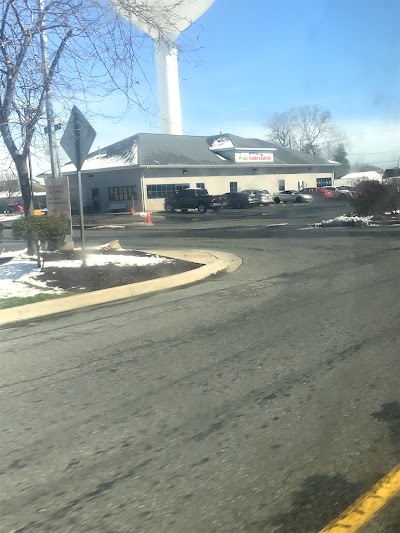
{"points": [[168, 89]]}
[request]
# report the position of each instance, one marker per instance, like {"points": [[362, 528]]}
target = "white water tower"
{"points": [[172, 17]]}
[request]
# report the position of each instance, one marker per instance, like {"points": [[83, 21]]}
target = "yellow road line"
{"points": [[361, 512]]}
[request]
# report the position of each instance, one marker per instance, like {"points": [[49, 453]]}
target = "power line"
{"points": [[375, 153], [381, 162]]}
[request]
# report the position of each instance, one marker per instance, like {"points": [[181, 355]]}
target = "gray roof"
{"points": [[154, 149], [162, 149]]}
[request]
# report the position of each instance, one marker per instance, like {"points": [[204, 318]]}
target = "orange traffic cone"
{"points": [[133, 212], [148, 219]]}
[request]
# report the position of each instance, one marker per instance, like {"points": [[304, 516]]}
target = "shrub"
{"points": [[44, 230], [374, 197]]}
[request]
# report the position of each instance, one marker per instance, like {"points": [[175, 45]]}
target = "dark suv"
{"points": [[240, 199], [192, 199]]}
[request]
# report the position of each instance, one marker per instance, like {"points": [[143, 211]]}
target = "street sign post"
{"points": [[77, 140]]}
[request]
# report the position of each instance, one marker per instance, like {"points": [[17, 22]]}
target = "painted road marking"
{"points": [[277, 224], [363, 510]]}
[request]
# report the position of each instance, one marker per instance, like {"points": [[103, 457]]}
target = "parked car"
{"points": [[292, 196], [347, 189], [318, 192], [264, 196], [239, 200], [193, 199], [337, 194]]}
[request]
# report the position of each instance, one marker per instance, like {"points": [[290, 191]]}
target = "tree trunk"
{"points": [[21, 164]]}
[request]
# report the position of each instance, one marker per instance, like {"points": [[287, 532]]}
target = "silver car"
{"points": [[291, 196], [264, 196], [340, 193]]}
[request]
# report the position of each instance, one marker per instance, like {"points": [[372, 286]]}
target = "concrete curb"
{"points": [[392, 222], [213, 263]]}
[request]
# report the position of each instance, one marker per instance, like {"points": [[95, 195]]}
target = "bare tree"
{"points": [[314, 125], [305, 128], [9, 185], [80, 50], [281, 129]]}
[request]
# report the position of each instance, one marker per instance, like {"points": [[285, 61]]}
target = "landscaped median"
{"points": [[374, 203], [61, 279], [352, 220]]}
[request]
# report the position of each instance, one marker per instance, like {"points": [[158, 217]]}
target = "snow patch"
{"points": [[102, 160], [134, 154], [344, 221], [16, 280], [18, 289], [221, 142], [100, 260], [21, 277], [12, 254], [6, 217], [110, 226], [394, 212], [98, 162]]}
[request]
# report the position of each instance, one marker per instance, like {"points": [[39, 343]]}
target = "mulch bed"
{"points": [[392, 217], [93, 278]]}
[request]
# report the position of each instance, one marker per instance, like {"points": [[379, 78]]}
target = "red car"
{"points": [[318, 192]]}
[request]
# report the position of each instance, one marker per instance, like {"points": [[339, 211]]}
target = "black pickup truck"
{"points": [[193, 199]]}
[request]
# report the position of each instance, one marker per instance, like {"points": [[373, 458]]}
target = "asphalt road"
{"points": [[266, 400]]}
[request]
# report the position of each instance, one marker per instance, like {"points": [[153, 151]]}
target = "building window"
{"points": [[281, 185], [233, 186], [324, 182], [122, 193], [200, 185], [161, 191]]}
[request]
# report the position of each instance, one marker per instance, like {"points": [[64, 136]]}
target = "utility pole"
{"points": [[54, 159], [51, 130]]}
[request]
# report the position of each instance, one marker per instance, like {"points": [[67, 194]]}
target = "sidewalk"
{"points": [[115, 220]]}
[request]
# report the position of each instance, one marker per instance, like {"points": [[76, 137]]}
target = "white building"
{"points": [[148, 166], [355, 177]]}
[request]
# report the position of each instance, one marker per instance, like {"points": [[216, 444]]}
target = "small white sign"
{"points": [[254, 157], [57, 197]]}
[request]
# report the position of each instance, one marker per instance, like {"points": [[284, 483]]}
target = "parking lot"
{"points": [[290, 213]]}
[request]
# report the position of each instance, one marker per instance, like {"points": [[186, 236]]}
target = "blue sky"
{"points": [[261, 56]]}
